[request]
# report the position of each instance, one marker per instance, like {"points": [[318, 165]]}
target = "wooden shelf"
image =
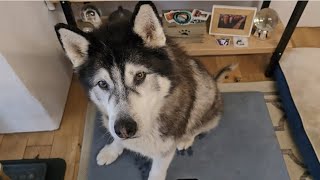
{"points": [[208, 46]]}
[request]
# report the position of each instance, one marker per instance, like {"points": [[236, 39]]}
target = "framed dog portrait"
{"points": [[232, 20]]}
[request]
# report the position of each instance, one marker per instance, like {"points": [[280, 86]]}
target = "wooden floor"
{"points": [[66, 142], [63, 143]]}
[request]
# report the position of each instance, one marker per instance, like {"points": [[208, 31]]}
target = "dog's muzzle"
{"points": [[125, 128]]}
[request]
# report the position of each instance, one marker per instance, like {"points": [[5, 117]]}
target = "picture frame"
{"points": [[232, 20]]}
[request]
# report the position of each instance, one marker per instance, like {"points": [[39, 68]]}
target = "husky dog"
{"points": [[154, 98]]}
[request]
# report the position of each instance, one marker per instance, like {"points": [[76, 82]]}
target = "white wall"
{"points": [[30, 48], [110, 6], [309, 18]]}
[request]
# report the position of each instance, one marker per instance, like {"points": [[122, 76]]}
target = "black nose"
{"points": [[125, 128]]}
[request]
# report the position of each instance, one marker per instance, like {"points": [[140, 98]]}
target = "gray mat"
{"points": [[242, 147]]}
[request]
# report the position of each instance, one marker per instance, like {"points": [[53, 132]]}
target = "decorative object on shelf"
{"points": [[91, 14], [185, 17], [240, 41], [232, 20], [182, 23], [265, 21], [86, 27], [224, 41], [200, 15], [181, 17], [120, 15]]}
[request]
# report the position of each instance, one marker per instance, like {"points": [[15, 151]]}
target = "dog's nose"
{"points": [[125, 128]]}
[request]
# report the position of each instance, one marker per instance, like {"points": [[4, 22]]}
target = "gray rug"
{"points": [[243, 146]]}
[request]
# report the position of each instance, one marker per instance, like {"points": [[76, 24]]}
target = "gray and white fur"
{"points": [[153, 96]]}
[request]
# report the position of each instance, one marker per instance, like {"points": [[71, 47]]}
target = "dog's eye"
{"points": [[139, 77], [103, 84]]}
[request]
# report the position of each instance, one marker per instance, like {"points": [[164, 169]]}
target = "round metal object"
{"points": [[265, 21]]}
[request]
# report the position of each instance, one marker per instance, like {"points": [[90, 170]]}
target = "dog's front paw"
{"points": [[185, 144], [158, 177], [108, 155]]}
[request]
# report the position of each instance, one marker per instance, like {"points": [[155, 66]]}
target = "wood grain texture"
{"points": [[1, 137], [13, 146], [75, 111], [250, 68], [255, 46], [67, 142], [41, 151], [40, 138], [65, 147], [306, 37], [76, 170]]}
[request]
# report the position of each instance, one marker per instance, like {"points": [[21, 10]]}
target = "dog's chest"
{"points": [[151, 145]]}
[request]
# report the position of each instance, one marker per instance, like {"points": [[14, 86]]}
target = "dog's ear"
{"points": [[147, 24], [74, 42]]}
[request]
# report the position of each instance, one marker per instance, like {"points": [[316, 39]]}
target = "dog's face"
{"points": [[126, 69]]}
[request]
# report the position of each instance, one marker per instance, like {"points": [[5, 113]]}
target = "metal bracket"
{"points": [[265, 4], [68, 13], [286, 35]]}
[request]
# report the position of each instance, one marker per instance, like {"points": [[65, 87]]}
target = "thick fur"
{"points": [[177, 100]]}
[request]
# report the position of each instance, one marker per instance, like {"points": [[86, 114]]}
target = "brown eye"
{"points": [[139, 78], [103, 84]]}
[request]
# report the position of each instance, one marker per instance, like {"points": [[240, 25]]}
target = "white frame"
{"points": [[232, 7]]}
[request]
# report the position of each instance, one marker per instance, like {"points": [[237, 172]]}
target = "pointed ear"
{"points": [[147, 25], [74, 42]]}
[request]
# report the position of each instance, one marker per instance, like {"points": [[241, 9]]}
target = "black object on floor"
{"points": [[35, 169]]}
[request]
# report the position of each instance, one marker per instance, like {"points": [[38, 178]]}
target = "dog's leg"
{"points": [[185, 142], [109, 153], [160, 166]]}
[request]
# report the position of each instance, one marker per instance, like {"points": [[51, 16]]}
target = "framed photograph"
{"points": [[232, 20]]}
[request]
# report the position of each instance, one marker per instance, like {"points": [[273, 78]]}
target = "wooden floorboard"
{"points": [[1, 137], [65, 147], [66, 142], [75, 111], [13, 146], [76, 169], [40, 138], [41, 151], [306, 37]]}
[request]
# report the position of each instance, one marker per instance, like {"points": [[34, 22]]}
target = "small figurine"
{"points": [[120, 15], [240, 41], [223, 41], [91, 14]]}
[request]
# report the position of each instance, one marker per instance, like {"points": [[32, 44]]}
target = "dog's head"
{"points": [[125, 68]]}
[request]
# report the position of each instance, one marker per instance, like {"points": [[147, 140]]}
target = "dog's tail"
{"points": [[225, 71]]}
